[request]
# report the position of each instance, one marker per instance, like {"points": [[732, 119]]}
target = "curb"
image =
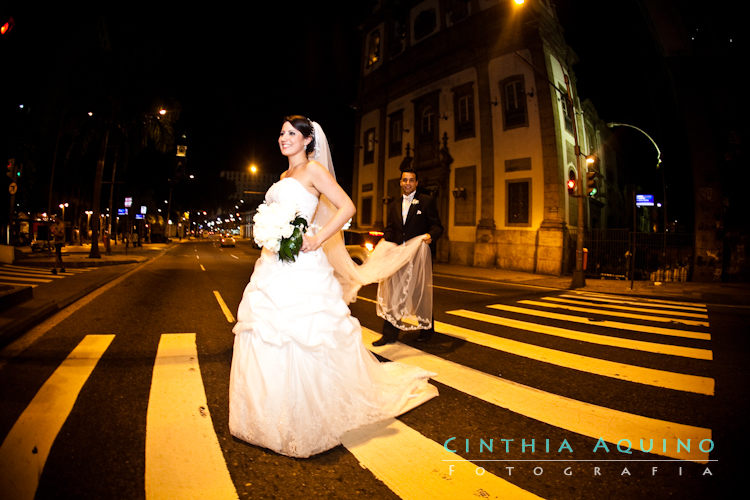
{"points": [[14, 296]]}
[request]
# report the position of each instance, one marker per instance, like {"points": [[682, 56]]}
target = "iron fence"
{"points": [[612, 253]]}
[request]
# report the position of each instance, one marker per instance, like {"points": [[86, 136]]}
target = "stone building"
{"points": [[474, 95]]}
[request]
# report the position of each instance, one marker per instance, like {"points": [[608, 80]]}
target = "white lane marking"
{"points": [[202, 268], [223, 306], [183, 455], [26, 447], [234, 256], [596, 422], [415, 467]]}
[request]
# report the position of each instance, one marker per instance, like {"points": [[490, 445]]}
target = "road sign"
{"points": [[644, 200], [12, 188]]}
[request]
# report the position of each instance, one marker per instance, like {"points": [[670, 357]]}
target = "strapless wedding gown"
{"points": [[301, 376]]}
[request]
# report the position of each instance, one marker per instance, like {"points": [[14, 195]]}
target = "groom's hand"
{"points": [[427, 238]]}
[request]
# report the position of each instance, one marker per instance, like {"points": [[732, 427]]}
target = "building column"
{"points": [[485, 251]]}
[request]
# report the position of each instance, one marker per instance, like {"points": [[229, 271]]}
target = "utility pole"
{"points": [[579, 278]]}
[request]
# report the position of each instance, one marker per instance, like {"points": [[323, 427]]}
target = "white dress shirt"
{"points": [[406, 204]]}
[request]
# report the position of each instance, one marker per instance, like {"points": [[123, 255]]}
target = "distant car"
{"points": [[360, 244], [227, 241]]}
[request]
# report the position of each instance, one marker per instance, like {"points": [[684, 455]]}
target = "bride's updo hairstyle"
{"points": [[304, 126]]}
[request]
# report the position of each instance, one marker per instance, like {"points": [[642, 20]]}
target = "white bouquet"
{"points": [[279, 228]]}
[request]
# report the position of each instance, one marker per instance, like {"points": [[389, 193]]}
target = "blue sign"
{"points": [[139, 216], [644, 200], [122, 211]]}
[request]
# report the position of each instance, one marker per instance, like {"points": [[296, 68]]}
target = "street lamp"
{"points": [[663, 180], [63, 206]]}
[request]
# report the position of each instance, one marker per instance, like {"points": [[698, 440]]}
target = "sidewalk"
{"points": [[708, 293]]}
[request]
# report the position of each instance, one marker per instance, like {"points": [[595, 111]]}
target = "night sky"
{"points": [[236, 71]]}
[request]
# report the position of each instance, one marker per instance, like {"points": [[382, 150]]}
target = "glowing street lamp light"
{"points": [[63, 206]]}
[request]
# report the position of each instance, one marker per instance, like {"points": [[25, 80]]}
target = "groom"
{"points": [[410, 215]]}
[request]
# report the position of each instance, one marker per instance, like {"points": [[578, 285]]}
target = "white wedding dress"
{"points": [[301, 376]]}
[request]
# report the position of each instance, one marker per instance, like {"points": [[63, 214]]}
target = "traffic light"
{"points": [[591, 188], [6, 25], [571, 183], [592, 170], [11, 169]]}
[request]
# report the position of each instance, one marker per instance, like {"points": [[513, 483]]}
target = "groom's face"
{"points": [[408, 183]]}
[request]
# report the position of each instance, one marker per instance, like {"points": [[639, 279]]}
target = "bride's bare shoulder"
{"points": [[315, 169]]}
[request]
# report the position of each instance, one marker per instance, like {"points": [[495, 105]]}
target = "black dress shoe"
{"points": [[424, 336], [385, 339]]}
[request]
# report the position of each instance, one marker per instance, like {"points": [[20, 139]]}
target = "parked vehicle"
{"points": [[360, 244]]}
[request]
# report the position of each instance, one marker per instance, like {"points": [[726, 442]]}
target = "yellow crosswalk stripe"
{"points": [[183, 455], [48, 279], [26, 447], [622, 371], [690, 334], [415, 467], [596, 422], [618, 300], [650, 310], [641, 299], [592, 338], [613, 313], [32, 285]]}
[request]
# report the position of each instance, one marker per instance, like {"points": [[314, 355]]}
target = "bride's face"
{"points": [[291, 140]]}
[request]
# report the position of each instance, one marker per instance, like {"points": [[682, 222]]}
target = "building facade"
{"points": [[474, 95]]}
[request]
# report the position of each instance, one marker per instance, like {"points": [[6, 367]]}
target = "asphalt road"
{"points": [[530, 379]]}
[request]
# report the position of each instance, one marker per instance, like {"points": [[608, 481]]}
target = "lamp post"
{"points": [[63, 206], [663, 181]]}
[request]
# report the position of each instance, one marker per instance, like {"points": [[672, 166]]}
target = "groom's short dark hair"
{"points": [[409, 170]]}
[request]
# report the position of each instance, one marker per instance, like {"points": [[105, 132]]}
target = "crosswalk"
{"points": [[34, 276], [184, 457]]}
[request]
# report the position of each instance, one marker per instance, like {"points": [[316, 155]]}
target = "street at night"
{"points": [[538, 204], [538, 387]]}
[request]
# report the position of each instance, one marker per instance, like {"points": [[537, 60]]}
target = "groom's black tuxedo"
{"points": [[421, 219]]}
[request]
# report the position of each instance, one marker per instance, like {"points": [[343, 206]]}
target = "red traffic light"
{"points": [[571, 186], [7, 26]]}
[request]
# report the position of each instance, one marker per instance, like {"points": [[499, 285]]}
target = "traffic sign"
{"points": [[644, 200], [12, 188]]}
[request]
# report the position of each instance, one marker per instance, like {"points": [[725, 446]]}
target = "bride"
{"points": [[301, 376]]}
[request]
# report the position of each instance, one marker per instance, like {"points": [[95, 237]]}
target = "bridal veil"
{"points": [[403, 271]]}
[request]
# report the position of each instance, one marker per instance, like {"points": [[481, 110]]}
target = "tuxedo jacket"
{"points": [[422, 218]]}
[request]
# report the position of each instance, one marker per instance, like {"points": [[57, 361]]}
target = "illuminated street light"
{"points": [[253, 169], [63, 206]]}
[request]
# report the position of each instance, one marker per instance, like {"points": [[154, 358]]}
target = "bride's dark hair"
{"points": [[305, 127]]}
